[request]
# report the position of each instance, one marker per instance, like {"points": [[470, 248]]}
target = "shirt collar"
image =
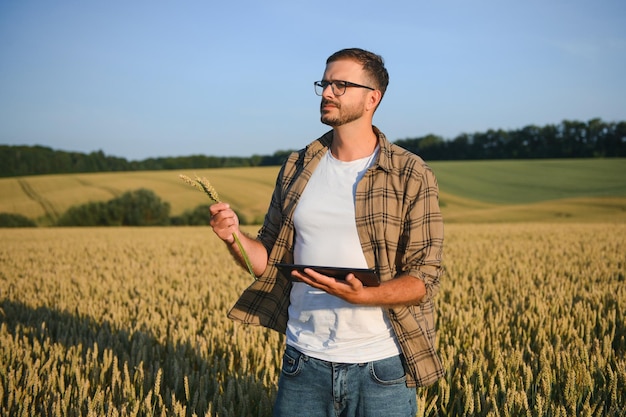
{"points": [[321, 145]]}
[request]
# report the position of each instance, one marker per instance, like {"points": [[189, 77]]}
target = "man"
{"points": [[349, 199]]}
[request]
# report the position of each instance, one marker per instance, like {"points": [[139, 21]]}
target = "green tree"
{"points": [[142, 208], [15, 220], [134, 208]]}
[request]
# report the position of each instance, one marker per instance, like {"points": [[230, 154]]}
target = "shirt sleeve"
{"points": [[424, 234]]}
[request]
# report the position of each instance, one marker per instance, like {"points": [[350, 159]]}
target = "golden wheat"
{"points": [[203, 184], [132, 322]]}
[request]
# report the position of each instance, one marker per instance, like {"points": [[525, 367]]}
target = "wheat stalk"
{"points": [[203, 184]]}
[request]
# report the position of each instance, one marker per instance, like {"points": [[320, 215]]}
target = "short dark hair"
{"points": [[373, 65]]}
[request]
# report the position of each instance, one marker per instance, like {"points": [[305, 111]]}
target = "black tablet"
{"points": [[368, 277]]}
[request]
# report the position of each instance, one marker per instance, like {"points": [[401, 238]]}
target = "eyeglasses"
{"points": [[338, 86]]}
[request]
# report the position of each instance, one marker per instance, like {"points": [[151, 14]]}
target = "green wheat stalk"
{"points": [[205, 186]]}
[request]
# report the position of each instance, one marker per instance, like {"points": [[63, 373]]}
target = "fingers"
{"points": [[353, 281], [218, 207], [224, 221], [331, 285]]}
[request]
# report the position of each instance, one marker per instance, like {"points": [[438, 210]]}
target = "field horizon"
{"points": [[553, 190]]}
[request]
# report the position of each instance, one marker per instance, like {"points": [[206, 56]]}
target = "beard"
{"points": [[343, 114]]}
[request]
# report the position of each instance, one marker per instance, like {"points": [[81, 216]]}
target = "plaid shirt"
{"points": [[401, 232]]}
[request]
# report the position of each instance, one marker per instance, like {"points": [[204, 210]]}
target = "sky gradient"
{"points": [[139, 79]]}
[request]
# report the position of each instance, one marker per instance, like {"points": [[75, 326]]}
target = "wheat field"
{"points": [[47, 197], [567, 190], [131, 322]]}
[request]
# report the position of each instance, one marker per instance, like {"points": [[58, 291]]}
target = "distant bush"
{"points": [[90, 214], [15, 220], [200, 216], [134, 208]]}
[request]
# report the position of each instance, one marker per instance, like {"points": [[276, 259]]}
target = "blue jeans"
{"points": [[310, 387]]}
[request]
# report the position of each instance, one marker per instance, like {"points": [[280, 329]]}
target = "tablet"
{"points": [[367, 276]]}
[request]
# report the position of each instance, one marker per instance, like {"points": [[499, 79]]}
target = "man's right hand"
{"points": [[224, 222]]}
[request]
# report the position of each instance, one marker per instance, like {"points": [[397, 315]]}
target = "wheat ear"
{"points": [[203, 184]]}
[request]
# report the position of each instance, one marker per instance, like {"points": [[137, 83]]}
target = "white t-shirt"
{"points": [[321, 325]]}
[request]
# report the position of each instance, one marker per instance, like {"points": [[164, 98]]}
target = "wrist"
{"points": [[235, 239]]}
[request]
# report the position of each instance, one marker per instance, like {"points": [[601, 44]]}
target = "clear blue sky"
{"points": [[140, 79]]}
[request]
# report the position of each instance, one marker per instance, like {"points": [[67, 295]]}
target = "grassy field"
{"points": [[132, 322], [565, 190], [532, 181], [471, 191]]}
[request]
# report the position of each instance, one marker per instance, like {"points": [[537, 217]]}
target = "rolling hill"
{"points": [[582, 190]]}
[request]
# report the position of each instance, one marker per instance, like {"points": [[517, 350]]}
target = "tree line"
{"points": [[24, 160], [568, 139]]}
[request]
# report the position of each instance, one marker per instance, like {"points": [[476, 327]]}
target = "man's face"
{"points": [[340, 110]]}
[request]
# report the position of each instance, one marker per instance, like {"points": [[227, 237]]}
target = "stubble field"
{"points": [[132, 322]]}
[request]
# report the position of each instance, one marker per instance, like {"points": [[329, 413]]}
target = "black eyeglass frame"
{"points": [[333, 85]]}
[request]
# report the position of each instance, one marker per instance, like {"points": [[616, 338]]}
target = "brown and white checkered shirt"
{"points": [[401, 232]]}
